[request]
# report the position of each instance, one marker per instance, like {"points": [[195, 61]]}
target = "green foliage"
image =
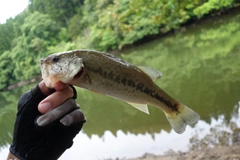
{"points": [[62, 46], [40, 26], [58, 10], [7, 68], [148, 17], [38, 32], [48, 26], [212, 5], [6, 35], [125, 22]]}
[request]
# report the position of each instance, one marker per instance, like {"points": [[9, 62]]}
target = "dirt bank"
{"points": [[217, 153]]}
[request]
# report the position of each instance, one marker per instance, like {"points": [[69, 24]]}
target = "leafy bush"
{"points": [[212, 5], [42, 28]]}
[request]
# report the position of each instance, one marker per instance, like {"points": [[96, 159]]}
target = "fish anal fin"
{"points": [[151, 72], [141, 107]]}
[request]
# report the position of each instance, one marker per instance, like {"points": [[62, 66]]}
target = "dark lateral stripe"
{"points": [[140, 86]]}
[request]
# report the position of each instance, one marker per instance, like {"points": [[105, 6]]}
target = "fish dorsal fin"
{"points": [[151, 72], [141, 107]]}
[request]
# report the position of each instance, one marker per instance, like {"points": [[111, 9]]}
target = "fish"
{"points": [[109, 75]]}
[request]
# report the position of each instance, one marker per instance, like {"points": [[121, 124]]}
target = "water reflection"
{"points": [[8, 103], [200, 68], [219, 131], [224, 132]]}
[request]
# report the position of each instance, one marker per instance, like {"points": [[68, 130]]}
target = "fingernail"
{"points": [[66, 120], [44, 107]]}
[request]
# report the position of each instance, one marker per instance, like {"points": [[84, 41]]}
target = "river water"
{"points": [[201, 68]]}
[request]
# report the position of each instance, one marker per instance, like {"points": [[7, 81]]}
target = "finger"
{"points": [[74, 117], [57, 113], [44, 89], [47, 91], [60, 86], [55, 99]]}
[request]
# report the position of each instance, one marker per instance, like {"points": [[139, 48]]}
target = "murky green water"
{"points": [[201, 68]]}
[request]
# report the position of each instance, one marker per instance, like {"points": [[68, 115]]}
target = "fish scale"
{"points": [[135, 81]]}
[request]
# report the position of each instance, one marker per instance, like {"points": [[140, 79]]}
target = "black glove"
{"points": [[40, 137]]}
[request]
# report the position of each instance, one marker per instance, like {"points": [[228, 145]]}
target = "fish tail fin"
{"points": [[183, 118]]}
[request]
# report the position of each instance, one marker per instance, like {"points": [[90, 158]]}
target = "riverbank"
{"points": [[184, 27], [221, 150], [146, 39], [218, 152]]}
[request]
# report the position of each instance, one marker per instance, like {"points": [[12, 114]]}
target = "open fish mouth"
{"points": [[79, 74]]}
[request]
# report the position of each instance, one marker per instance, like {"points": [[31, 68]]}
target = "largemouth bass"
{"points": [[105, 74]]}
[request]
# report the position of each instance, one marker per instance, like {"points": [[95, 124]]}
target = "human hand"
{"points": [[54, 99], [63, 92], [55, 129]]}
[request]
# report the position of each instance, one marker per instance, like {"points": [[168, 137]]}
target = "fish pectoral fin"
{"points": [[141, 107], [151, 72]]}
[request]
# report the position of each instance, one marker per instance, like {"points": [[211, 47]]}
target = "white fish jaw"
{"points": [[64, 69]]}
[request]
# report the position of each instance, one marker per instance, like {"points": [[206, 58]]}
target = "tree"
{"points": [[60, 11], [39, 32], [6, 35], [6, 70]]}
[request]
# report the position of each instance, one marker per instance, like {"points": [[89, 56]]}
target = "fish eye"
{"points": [[55, 59]]}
